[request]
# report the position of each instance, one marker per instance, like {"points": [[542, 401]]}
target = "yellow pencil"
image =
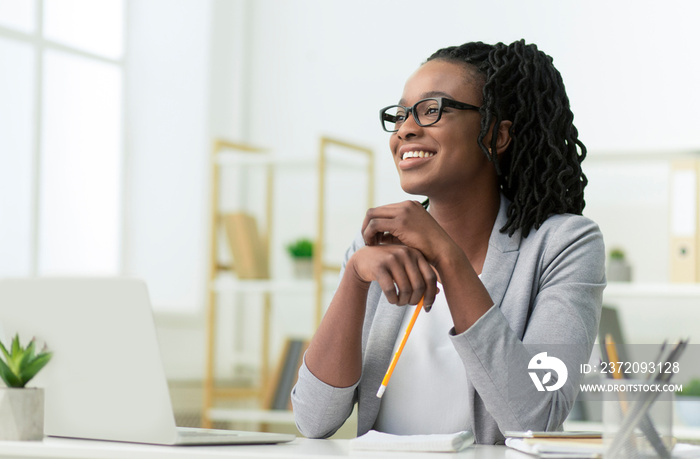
{"points": [[612, 356], [613, 359], [395, 359]]}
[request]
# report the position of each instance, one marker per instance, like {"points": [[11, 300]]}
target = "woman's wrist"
{"points": [[353, 277], [467, 297], [450, 259]]}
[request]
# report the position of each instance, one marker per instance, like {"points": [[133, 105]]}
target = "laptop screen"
{"points": [[105, 380]]}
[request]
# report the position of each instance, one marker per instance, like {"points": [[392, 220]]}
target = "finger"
{"points": [[403, 285], [419, 272], [396, 262], [386, 282], [396, 220], [416, 275], [386, 238], [376, 212], [385, 211], [378, 231], [378, 222], [431, 288]]}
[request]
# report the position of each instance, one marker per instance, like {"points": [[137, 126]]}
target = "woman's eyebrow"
{"points": [[435, 94], [428, 95]]}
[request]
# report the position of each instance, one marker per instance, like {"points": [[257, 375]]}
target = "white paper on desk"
{"points": [[374, 440], [556, 449], [685, 450]]}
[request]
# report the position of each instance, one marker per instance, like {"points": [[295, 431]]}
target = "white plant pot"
{"points": [[688, 409], [618, 271], [303, 268], [21, 414]]}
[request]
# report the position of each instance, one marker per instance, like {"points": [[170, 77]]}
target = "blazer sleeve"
{"points": [[556, 293], [321, 409]]}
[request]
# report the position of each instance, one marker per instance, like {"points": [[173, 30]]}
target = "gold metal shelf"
{"points": [[226, 154]]}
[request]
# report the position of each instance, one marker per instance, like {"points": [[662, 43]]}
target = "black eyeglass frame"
{"points": [[442, 103]]}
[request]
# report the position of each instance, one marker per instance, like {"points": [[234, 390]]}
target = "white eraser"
{"points": [[381, 390]]}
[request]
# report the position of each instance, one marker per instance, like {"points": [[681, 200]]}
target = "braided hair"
{"points": [[540, 171]]}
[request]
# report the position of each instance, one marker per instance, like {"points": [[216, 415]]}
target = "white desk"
{"points": [[299, 448]]}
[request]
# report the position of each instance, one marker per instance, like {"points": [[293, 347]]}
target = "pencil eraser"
{"points": [[381, 390]]}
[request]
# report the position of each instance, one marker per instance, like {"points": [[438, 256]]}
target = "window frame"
{"points": [[40, 47]]}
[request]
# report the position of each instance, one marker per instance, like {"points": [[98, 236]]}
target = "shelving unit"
{"points": [[632, 218], [630, 196], [648, 289], [222, 278]]}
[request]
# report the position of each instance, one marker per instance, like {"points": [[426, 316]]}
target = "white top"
{"points": [[426, 393]]}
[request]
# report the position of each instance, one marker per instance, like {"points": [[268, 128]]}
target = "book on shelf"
{"points": [[247, 245], [685, 237], [278, 393]]}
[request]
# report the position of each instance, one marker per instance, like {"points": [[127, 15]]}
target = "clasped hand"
{"points": [[403, 243]]}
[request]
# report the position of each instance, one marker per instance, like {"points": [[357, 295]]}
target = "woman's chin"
{"points": [[414, 189]]}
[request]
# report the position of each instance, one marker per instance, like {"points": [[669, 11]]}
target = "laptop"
{"points": [[106, 379]]}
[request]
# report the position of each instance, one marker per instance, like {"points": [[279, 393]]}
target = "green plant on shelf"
{"points": [[691, 389], [19, 364], [301, 248], [617, 254]]}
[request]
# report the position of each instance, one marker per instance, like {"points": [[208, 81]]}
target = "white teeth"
{"points": [[417, 154]]}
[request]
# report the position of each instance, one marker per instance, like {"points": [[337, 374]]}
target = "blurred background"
{"points": [[110, 110]]}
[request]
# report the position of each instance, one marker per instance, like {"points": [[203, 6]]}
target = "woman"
{"points": [[507, 266]]}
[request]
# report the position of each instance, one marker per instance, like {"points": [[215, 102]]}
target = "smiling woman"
{"points": [[500, 255]]}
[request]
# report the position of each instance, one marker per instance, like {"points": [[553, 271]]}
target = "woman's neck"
{"points": [[469, 223]]}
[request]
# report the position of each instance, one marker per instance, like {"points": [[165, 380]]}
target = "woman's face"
{"points": [[452, 162]]}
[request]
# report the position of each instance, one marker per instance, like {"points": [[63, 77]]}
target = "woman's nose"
{"points": [[409, 127]]}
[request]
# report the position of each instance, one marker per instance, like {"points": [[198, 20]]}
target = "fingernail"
{"points": [[428, 307]]}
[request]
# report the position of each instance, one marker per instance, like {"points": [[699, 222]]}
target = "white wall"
{"points": [[281, 73], [167, 126], [626, 64], [167, 143]]}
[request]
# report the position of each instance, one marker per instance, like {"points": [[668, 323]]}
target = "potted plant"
{"points": [[618, 270], [688, 403], [302, 252], [21, 408]]}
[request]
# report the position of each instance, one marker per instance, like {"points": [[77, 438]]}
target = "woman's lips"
{"points": [[417, 154], [414, 158]]}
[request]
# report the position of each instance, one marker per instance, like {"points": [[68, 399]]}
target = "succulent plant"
{"points": [[302, 248], [20, 364], [691, 389]]}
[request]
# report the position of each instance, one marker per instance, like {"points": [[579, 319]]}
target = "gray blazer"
{"points": [[547, 292]]}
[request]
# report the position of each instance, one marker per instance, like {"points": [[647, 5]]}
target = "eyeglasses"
{"points": [[425, 112]]}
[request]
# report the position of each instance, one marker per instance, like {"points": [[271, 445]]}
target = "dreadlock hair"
{"points": [[540, 171]]}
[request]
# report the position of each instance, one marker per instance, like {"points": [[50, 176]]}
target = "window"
{"points": [[61, 136]]}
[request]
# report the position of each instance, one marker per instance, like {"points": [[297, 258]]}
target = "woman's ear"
{"points": [[503, 136]]}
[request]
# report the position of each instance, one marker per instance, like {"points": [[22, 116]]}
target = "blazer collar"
{"points": [[502, 241], [501, 256]]}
